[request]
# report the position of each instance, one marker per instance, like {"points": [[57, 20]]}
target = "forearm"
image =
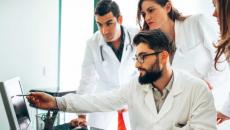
{"points": [[90, 103]]}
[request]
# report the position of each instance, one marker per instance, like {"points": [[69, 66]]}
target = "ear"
{"points": [[120, 19], [168, 6], [164, 56]]}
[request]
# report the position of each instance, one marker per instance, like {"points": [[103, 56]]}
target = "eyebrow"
{"points": [[109, 21], [151, 7], [98, 23], [142, 53]]}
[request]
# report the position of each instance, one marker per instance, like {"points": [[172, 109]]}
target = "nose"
{"points": [[137, 64], [214, 13], [104, 30], [147, 17]]}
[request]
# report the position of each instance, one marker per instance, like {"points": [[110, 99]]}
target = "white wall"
{"points": [[29, 43], [128, 10], [77, 28]]}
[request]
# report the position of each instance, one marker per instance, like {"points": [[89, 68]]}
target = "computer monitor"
{"points": [[15, 106]]}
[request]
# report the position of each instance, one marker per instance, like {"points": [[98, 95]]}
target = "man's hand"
{"points": [[42, 100], [79, 122], [221, 118]]}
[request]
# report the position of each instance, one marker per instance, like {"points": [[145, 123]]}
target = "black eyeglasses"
{"points": [[141, 57]]}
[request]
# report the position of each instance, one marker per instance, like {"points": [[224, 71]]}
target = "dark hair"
{"points": [[105, 6], [156, 40], [223, 47], [173, 14]]}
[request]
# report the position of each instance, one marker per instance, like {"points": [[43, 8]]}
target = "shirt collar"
{"points": [[168, 86], [122, 38]]}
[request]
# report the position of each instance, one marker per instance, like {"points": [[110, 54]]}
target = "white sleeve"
{"points": [[88, 72], [226, 108], [108, 101], [209, 37]]}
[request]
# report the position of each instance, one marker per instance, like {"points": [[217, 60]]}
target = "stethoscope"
{"points": [[130, 44]]}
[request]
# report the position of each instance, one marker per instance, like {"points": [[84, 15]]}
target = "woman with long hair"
{"points": [[193, 37]]}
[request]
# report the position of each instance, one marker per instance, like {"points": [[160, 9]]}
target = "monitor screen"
{"points": [[15, 106]]}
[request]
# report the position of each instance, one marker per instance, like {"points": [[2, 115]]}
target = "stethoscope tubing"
{"points": [[101, 47]]}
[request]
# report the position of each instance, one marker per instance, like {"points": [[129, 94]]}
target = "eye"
{"points": [[109, 24], [142, 56], [150, 10], [143, 14], [99, 25]]}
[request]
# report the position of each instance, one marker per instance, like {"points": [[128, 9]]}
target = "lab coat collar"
{"points": [[177, 88]]}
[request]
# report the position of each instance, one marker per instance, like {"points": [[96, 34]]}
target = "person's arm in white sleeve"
{"points": [[108, 101]]}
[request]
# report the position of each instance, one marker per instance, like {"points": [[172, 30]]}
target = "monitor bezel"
{"points": [[10, 112]]}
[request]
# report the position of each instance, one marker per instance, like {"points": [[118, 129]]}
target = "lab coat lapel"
{"points": [[127, 47], [149, 99], [176, 90], [107, 51]]}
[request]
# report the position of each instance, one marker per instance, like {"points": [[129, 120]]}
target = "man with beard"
{"points": [[159, 99]]}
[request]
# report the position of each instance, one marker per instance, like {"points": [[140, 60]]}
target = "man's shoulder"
{"points": [[188, 80], [95, 39], [96, 36], [194, 21], [194, 18], [136, 87]]}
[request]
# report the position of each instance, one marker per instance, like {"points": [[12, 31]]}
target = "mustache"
{"points": [[141, 69]]}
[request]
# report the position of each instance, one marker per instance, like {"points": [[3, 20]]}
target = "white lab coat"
{"points": [[195, 53], [226, 107], [189, 102], [102, 71]]}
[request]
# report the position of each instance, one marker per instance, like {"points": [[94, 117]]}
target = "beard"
{"points": [[151, 75]]}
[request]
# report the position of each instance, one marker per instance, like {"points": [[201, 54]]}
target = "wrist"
{"points": [[55, 106], [61, 104]]}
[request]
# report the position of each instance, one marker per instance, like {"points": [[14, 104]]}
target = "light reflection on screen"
{"points": [[19, 104]]}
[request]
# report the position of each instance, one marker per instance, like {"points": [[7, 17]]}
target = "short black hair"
{"points": [[105, 6], [156, 40]]}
